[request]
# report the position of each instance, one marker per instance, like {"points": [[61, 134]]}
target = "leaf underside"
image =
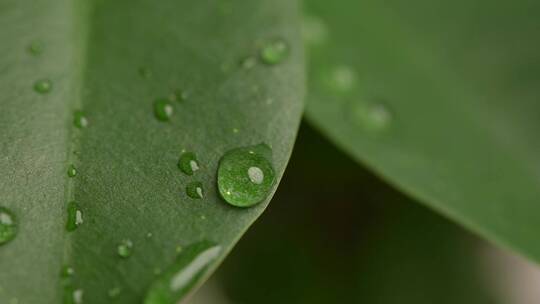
{"points": [[112, 59]]}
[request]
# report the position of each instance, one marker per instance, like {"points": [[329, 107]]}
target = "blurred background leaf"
{"points": [[440, 98], [335, 233]]}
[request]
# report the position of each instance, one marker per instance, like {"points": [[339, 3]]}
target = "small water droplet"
{"points": [[178, 249], [274, 52], [248, 62], [189, 267], [195, 190], [314, 30], [67, 272], [125, 249], [75, 216], [246, 176], [179, 95], [235, 130], [8, 226], [43, 86], [343, 78], [145, 72], [35, 48], [79, 119], [188, 163], [114, 292], [373, 116], [149, 235], [163, 109], [72, 171]]}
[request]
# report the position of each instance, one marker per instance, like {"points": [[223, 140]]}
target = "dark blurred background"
{"points": [[336, 233]]}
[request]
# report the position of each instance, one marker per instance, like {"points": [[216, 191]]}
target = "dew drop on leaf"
{"points": [[373, 116], [274, 52], [195, 190], [67, 272], [79, 119], [35, 48], [72, 171], [176, 281], [343, 78], [43, 86], [179, 95], [163, 109], [245, 175], [78, 296], [8, 226], [74, 216], [125, 249], [188, 163]]}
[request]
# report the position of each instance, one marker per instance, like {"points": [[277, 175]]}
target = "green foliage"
{"points": [[441, 99], [79, 80]]}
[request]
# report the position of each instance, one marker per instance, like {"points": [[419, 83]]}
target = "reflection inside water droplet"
{"points": [[187, 270]]}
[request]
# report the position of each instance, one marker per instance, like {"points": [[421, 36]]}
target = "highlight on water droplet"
{"points": [[177, 280], [78, 296], [125, 249], [35, 48], [72, 171], [67, 271], [274, 52], [79, 119], [188, 163], [195, 190], [43, 86], [8, 226], [163, 109], [374, 116], [245, 176], [74, 216]]}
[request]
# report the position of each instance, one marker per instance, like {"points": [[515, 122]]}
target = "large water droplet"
{"points": [[163, 109], [43, 86], [125, 249], [195, 190], [188, 163], [245, 175], [72, 171], [373, 116], [274, 52], [8, 226], [190, 266], [79, 119], [75, 216]]}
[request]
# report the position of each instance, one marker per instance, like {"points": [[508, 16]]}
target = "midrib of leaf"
{"points": [[82, 18]]}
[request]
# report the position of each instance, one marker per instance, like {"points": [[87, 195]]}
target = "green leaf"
{"points": [[83, 84], [441, 99]]}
